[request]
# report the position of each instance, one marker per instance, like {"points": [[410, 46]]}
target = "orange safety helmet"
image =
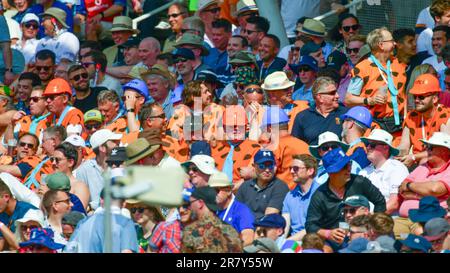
{"points": [[425, 84], [57, 86]]}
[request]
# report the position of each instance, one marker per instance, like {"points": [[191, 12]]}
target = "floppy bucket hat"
{"points": [[335, 160], [43, 237], [243, 57], [158, 69], [123, 23], [277, 81], [219, 179], [326, 137], [140, 148], [245, 5], [313, 27], [381, 135], [56, 13], [429, 208], [205, 163], [438, 139], [192, 39]]}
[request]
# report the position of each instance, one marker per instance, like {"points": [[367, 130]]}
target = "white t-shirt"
{"points": [[387, 178], [29, 50], [425, 18], [424, 41], [434, 62], [65, 45], [112, 84]]}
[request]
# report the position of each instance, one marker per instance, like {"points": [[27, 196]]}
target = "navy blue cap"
{"points": [[335, 160], [357, 245], [429, 208], [264, 155], [305, 61], [308, 48], [209, 76], [183, 52], [273, 220], [416, 243], [336, 60], [200, 148], [357, 201], [131, 42]]}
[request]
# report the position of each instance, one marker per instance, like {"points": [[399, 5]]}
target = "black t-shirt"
{"points": [[90, 102]]}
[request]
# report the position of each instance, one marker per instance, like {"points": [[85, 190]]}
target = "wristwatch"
{"points": [[130, 110], [409, 187], [366, 101]]}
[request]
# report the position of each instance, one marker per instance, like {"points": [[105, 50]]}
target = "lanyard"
{"points": [[32, 178], [63, 115], [121, 113], [228, 209], [422, 123], [267, 70], [35, 122], [391, 86]]}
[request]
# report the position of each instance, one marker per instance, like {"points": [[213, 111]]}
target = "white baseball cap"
{"points": [[29, 17], [76, 141], [100, 137]]}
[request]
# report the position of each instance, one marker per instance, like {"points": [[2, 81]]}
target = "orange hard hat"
{"points": [[425, 84], [58, 86], [234, 115]]}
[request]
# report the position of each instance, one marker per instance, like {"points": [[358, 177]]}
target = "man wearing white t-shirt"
{"points": [[441, 34], [63, 43], [28, 42], [440, 11], [385, 173]]}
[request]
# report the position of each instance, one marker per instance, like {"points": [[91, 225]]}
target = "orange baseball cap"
{"points": [[234, 115], [425, 84], [57, 86]]}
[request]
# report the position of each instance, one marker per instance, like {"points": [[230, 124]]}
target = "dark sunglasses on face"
{"points": [[174, 15], [350, 50], [25, 228], [79, 76], [87, 64], [353, 27], [193, 168], [326, 147], [45, 68], [295, 48], [238, 86], [29, 145], [36, 99], [249, 31], [332, 93], [92, 126], [373, 145], [51, 97], [180, 60], [114, 163], [31, 25], [55, 160], [253, 90], [350, 210], [304, 69], [134, 210], [214, 10], [421, 97], [296, 168]]}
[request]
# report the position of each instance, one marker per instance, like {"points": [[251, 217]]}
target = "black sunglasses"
{"points": [[175, 15], [180, 60], [253, 90], [214, 10], [31, 25], [79, 76], [238, 86], [193, 168], [350, 50], [325, 147], [296, 168], [421, 97], [36, 99], [55, 160], [114, 163], [304, 69], [92, 126], [353, 27], [134, 210], [374, 144], [24, 144], [45, 68]]}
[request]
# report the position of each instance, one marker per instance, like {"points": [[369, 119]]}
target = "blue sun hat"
{"points": [[43, 237], [335, 160], [429, 208]]}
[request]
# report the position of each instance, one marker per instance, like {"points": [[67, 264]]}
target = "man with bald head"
{"points": [[149, 48]]}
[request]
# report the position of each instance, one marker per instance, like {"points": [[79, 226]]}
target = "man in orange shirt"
{"points": [[234, 155], [379, 83], [58, 94], [428, 117], [277, 138]]}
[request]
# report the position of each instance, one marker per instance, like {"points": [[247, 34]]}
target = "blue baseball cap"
{"points": [[273, 220], [429, 208], [357, 245], [357, 201], [183, 52], [335, 160], [274, 115], [308, 48], [415, 242], [200, 148], [43, 237], [264, 155], [139, 86], [186, 193]]}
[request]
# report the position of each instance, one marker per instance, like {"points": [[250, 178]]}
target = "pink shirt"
{"points": [[424, 174]]}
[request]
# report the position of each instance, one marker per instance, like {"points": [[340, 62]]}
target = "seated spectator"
{"points": [[436, 231], [357, 245], [166, 236], [312, 243], [355, 205], [33, 218], [315, 30], [314, 51], [58, 181], [70, 221], [56, 204], [384, 172], [262, 245], [414, 244], [359, 227], [93, 121], [272, 226], [307, 72], [380, 224], [27, 44], [41, 241], [268, 51], [265, 193], [199, 169]]}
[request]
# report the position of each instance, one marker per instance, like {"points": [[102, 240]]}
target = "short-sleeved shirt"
{"points": [[66, 45], [277, 64], [258, 200], [296, 204], [239, 216], [421, 174], [166, 237], [90, 102], [91, 173], [309, 124], [19, 211], [306, 95], [431, 125]]}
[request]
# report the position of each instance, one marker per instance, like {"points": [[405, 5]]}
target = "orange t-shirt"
{"points": [[226, 13], [287, 147], [24, 126], [119, 126], [299, 106], [176, 149], [414, 122], [46, 168], [372, 80], [242, 155]]}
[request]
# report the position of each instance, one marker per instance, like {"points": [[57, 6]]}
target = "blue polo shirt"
{"points": [[309, 124], [302, 94], [296, 205], [20, 210], [239, 216], [216, 59]]}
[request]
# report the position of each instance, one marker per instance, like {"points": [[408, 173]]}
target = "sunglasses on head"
{"points": [[253, 90], [134, 210], [36, 99], [45, 68], [326, 147], [79, 76], [92, 126], [31, 25], [24, 144], [353, 27], [350, 50]]}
